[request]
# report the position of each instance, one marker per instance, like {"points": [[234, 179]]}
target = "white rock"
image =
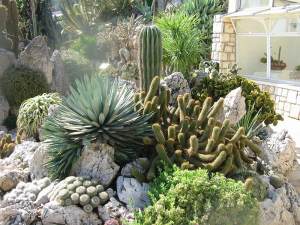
{"points": [[37, 166], [97, 162], [43, 196], [114, 210], [177, 84], [132, 192], [282, 208], [52, 213], [279, 151], [37, 57], [234, 106]]}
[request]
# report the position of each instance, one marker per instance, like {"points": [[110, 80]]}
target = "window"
{"points": [[278, 3], [286, 25], [245, 4]]}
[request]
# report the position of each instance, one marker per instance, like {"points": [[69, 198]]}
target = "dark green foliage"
{"points": [[48, 25], [221, 85], [20, 83], [204, 10], [185, 197], [10, 122], [150, 55], [96, 109], [181, 42]]}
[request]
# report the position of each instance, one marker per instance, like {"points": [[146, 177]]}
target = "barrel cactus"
{"points": [[150, 55], [87, 197]]}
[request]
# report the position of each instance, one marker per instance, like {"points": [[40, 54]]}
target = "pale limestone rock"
{"points": [[37, 57], [234, 106], [37, 166], [97, 162]]}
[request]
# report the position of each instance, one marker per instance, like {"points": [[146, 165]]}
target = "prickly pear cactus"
{"points": [[83, 192], [191, 135], [150, 55]]}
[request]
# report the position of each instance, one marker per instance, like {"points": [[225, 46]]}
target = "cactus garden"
{"points": [[113, 113]]}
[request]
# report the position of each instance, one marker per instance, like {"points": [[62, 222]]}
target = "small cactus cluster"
{"points": [[87, 193], [191, 135], [7, 144]]}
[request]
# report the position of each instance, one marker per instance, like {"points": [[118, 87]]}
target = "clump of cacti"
{"points": [[7, 144], [12, 22], [83, 192], [150, 55], [5, 42], [191, 135]]}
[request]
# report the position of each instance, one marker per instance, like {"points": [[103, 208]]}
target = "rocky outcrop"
{"points": [[60, 80], [36, 56], [141, 165], [37, 166], [177, 84], [279, 151], [52, 213], [234, 106], [4, 108], [97, 162], [132, 193], [281, 207]]}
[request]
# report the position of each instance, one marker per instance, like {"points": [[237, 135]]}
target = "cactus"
{"points": [[7, 144], [150, 55], [84, 199], [191, 135], [104, 197]]}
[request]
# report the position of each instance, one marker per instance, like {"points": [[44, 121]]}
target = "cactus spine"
{"points": [[150, 55]]}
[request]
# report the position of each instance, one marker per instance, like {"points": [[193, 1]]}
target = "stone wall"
{"points": [[287, 98], [224, 42]]}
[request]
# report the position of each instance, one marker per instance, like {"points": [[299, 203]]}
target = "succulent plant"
{"points": [[150, 55], [191, 135], [87, 198], [7, 144], [97, 109], [34, 111]]}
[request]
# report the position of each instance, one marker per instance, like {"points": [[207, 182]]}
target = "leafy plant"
{"points": [[221, 85], [181, 41], [96, 109], [145, 10], [20, 83], [87, 46], [34, 111], [197, 197], [251, 122], [204, 11]]}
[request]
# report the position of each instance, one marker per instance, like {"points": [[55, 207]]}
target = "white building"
{"points": [[263, 38]]}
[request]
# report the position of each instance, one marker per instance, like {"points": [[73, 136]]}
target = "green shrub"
{"points": [[33, 112], [196, 197], [87, 47], [181, 41], [98, 108], [204, 11], [220, 86], [75, 65], [20, 83]]}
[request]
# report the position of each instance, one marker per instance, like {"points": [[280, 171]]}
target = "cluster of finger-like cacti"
{"points": [[7, 144], [88, 194], [191, 135]]}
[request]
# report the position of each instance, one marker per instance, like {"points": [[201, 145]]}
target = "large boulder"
{"points": [[234, 106], [52, 213], [60, 80], [36, 56], [177, 84], [279, 151], [281, 207], [37, 167], [133, 193], [97, 162], [4, 108]]}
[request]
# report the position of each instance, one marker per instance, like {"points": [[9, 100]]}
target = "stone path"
{"points": [[293, 127]]}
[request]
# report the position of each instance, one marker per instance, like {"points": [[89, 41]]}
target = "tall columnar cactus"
{"points": [[5, 42], [192, 136], [150, 55], [12, 22]]}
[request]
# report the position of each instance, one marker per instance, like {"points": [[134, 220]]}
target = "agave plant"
{"points": [[33, 112], [98, 108]]}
